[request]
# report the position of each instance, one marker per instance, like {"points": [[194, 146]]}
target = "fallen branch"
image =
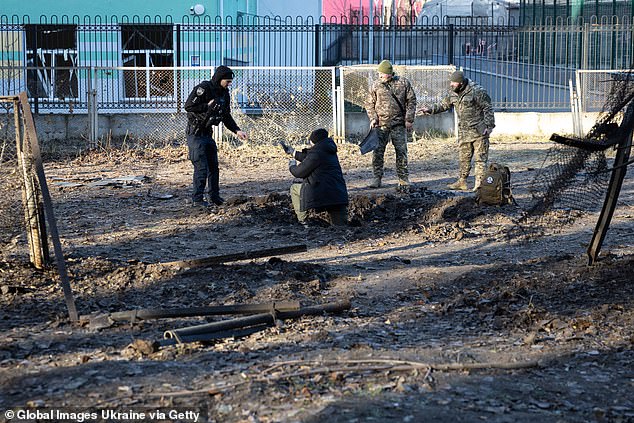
{"points": [[418, 364], [159, 313], [388, 365], [217, 389]]}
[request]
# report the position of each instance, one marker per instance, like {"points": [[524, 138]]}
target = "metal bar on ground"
{"points": [[48, 208], [246, 255], [206, 337], [257, 319], [158, 313]]}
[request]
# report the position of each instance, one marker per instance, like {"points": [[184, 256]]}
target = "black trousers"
{"points": [[338, 215], [203, 154]]}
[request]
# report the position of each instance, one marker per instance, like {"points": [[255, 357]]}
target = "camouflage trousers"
{"points": [[473, 148], [398, 136]]}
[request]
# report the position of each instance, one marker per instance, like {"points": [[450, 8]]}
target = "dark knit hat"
{"points": [[318, 135], [222, 72], [457, 76]]}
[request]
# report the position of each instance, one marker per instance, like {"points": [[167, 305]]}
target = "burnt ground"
{"points": [[455, 315]]}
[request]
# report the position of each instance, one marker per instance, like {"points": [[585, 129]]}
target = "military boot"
{"points": [[459, 185], [403, 186], [376, 183], [478, 182]]}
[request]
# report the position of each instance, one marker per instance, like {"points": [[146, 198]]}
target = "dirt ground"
{"points": [[450, 320]]}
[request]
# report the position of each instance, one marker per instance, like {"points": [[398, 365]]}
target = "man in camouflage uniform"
{"points": [[391, 105], [475, 123]]}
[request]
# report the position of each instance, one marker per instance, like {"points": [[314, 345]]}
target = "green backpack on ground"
{"points": [[495, 188]]}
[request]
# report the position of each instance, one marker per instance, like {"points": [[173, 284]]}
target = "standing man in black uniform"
{"points": [[207, 106]]}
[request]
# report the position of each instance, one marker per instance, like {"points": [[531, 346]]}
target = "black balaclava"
{"points": [[222, 72]]}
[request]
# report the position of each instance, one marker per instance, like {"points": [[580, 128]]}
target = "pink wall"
{"points": [[350, 8], [339, 8]]}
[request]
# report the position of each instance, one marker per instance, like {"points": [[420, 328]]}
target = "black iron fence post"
{"points": [[36, 105], [317, 45], [178, 65], [450, 47]]}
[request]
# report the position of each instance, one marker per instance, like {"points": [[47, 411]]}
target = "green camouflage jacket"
{"points": [[473, 107], [382, 106]]}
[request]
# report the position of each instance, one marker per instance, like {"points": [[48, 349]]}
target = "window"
{"points": [[148, 46], [51, 59]]}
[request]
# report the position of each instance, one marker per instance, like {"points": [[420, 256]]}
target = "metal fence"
{"points": [[529, 69], [532, 12], [428, 82], [283, 103], [594, 85], [11, 215], [267, 102], [524, 68], [144, 107]]}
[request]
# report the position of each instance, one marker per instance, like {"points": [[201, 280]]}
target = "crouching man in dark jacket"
{"points": [[323, 187]]}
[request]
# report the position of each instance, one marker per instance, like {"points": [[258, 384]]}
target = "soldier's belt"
{"points": [[384, 127]]}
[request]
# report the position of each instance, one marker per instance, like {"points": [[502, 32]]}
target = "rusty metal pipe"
{"points": [[158, 313], [257, 319], [206, 337]]}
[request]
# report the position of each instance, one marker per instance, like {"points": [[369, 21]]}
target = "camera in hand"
{"points": [[287, 148]]}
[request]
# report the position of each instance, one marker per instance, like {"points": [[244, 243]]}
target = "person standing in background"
{"points": [[475, 123], [208, 106], [391, 106]]}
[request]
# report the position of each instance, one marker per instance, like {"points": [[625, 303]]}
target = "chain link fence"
{"points": [[593, 85], [12, 216], [273, 103], [144, 107], [430, 83]]}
